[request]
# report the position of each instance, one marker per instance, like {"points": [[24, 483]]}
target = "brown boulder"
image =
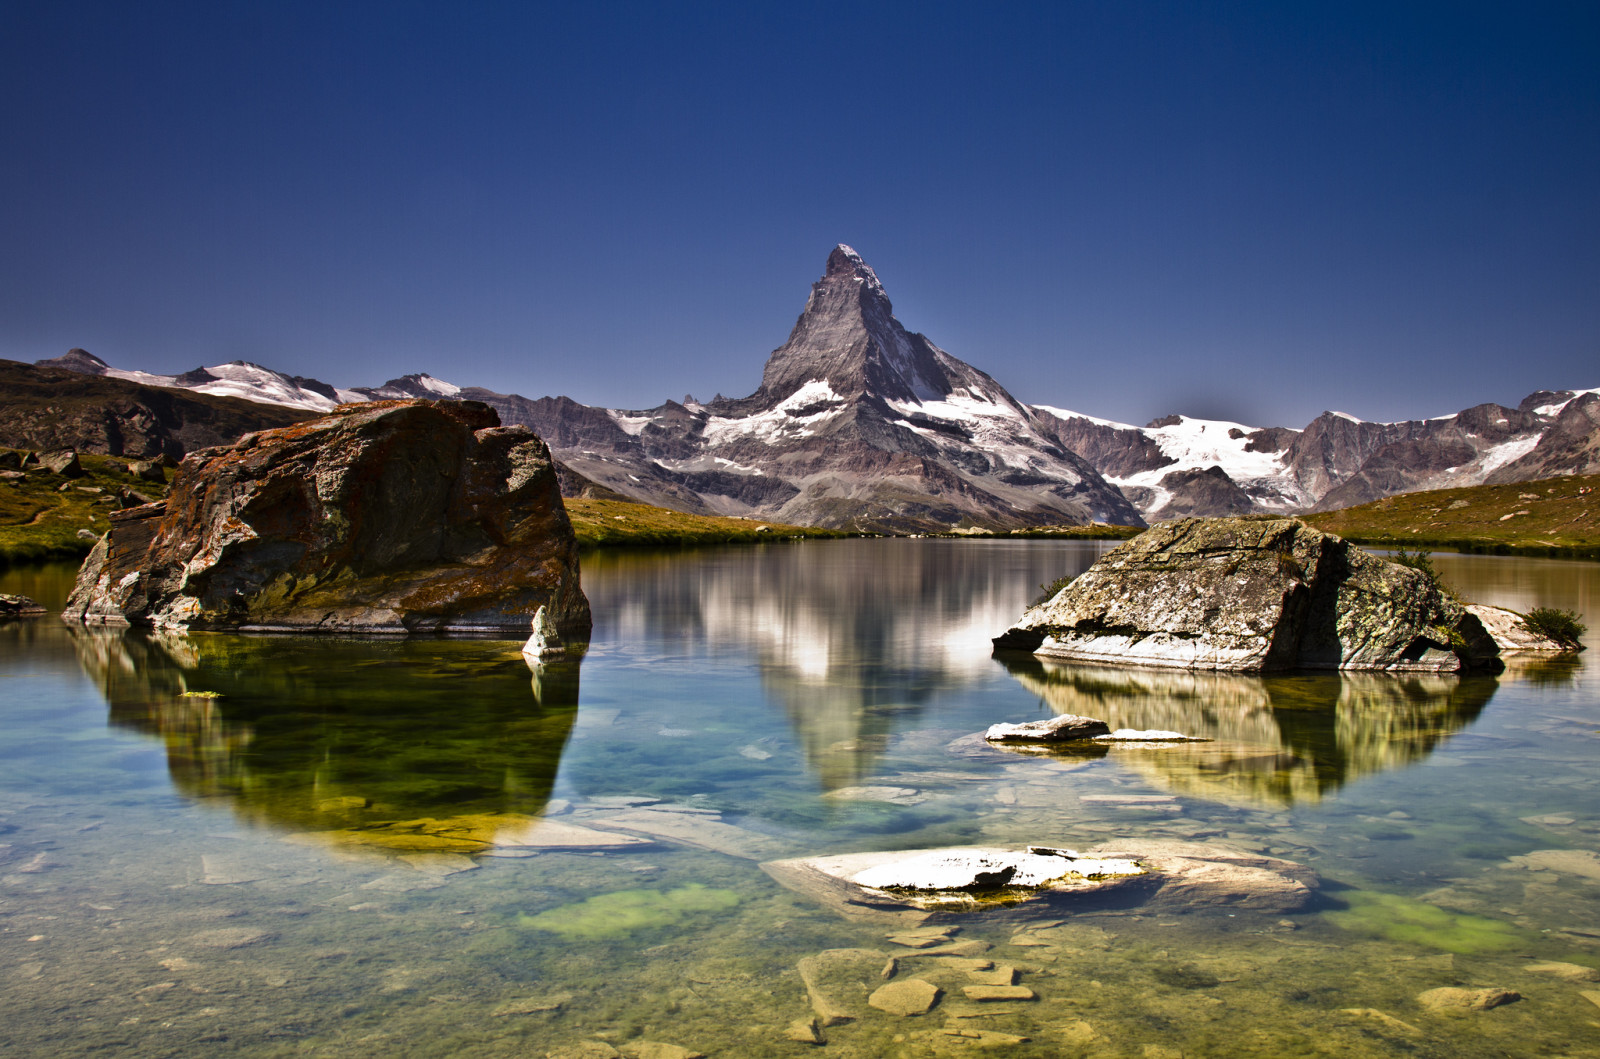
{"points": [[393, 516]]}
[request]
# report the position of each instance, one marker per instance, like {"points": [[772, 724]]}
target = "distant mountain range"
{"points": [[861, 423]]}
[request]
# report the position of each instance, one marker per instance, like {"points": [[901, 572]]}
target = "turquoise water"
{"points": [[218, 844]]}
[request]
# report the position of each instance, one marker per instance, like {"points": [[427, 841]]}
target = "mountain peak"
{"points": [[845, 263]]}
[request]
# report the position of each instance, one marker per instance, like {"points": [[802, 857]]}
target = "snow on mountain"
{"points": [[1555, 408]]}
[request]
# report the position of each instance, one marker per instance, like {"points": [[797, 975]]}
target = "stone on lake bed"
{"points": [[1580, 862], [1571, 972], [804, 1031], [231, 937], [908, 996], [531, 1005], [891, 795], [1448, 999], [834, 979], [439, 864], [990, 993], [985, 1038], [658, 1050]]}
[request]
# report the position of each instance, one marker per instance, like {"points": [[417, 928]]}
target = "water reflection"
{"points": [[853, 648], [1278, 740], [354, 736]]}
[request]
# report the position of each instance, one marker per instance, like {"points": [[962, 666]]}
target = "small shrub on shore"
{"points": [[1047, 592], [1562, 626]]}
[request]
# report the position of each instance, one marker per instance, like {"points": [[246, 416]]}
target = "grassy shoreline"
{"points": [[1556, 518], [41, 515]]}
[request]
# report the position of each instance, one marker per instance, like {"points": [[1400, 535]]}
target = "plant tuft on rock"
{"points": [[1562, 626]]}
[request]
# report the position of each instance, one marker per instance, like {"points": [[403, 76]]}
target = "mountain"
{"points": [[51, 408], [1337, 460], [857, 423], [860, 423], [238, 378]]}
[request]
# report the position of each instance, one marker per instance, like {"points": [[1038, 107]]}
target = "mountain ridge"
{"points": [[861, 423]]}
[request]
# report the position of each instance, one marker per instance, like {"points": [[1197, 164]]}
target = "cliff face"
{"points": [[1253, 596], [393, 516]]}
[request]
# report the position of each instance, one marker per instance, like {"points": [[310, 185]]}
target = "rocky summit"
{"points": [[1253, 595], [858, 423], [392, 516]]}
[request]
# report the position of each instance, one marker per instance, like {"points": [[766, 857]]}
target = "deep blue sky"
{"points": [[1253, 211]]}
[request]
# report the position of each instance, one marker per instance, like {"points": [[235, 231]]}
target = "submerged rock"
{"points": [[1253, 595], [942, 884], [392, 516], [1447, 999]]}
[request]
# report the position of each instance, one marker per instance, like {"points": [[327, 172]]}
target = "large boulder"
{"points": [[394, 516], [1253, 595]]}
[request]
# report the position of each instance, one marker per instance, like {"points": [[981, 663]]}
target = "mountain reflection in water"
{"points": [[1278, 740], [345, 737], [853, 648]]}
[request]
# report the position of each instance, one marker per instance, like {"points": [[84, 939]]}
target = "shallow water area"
{"points": [[287, 845]]}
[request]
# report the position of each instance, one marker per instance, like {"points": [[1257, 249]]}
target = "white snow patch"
{"points": [[1555, 409], [1503, 453], [1065, 413], [633, 426], [1346, 415], [438, 386]]}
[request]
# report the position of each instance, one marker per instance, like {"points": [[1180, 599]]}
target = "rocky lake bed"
{"points": [[280, 844]]}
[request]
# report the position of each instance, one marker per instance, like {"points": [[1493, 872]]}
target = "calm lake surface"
{"points": [[216, 844]]}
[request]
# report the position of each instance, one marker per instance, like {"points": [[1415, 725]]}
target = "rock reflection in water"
{"points": [[852, 648], [357, 736], [1279, 740]]}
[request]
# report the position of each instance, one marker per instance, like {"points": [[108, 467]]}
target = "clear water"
{"points": [[218, 844]]}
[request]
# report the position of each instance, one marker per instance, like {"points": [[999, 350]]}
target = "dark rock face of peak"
{"points": [[1571, 445], [79, 360], [848, 337], [857, 423], [194, 377]]}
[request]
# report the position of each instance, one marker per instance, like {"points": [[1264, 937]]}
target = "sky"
{"points": [[1248, 211]]}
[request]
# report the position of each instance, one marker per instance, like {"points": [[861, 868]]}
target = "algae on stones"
{"points": [[623, 912], [1409, 921]]}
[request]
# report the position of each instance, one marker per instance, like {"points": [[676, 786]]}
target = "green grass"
{"points": [[39, 521], [614, 523], [1556, 517]]}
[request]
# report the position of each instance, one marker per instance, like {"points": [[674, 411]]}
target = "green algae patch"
{"points": [[619, 914], [1413, 922]]}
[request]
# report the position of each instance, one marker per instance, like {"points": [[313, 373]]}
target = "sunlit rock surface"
{"points": [[1252, 595], [919, 885], [394, 516], [1509, 633]]}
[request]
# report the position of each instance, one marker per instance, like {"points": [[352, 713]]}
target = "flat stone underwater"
{"points": [[288, 845]]}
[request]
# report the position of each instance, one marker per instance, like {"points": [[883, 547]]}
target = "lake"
{"points": [[217, 844]]}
